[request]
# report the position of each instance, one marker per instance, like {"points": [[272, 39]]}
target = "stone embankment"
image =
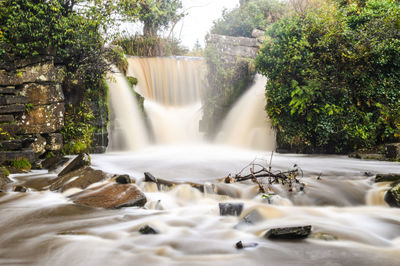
{"points": [[31, 108]]}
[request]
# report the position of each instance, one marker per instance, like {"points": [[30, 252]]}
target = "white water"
{"points": [[247, 124], [127, 129], [343, 205]]}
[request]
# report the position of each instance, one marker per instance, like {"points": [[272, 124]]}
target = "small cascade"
{"points": [[172, 88], [247, 124], [127, 128], [170, 81]]}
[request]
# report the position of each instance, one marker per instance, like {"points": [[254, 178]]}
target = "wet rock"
{"points": [[15, 155], [298, 232], [123, 179], [234, 209], [19, 189], [54, 142], [81, 160], [4, 180], [13, 108], [39, 145], [241, 245], [149, 177], [53, 162], [42, 93], [81, 178], [392, 196], [43, 119], [16, 144], [387, 178], [110, 196], [252, 218], [12, 99], [392, 151], [148, 230], [6, 118], [41, 72]]}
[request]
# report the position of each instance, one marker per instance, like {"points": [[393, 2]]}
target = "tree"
{"points": [[333, 76], [154, 14]]}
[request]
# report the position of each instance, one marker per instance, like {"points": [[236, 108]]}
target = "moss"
{"points": [[22, 164], [4, 171]]}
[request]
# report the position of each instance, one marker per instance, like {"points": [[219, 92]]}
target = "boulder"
{"points": [[123, 179], [41, 72], [392, 151], [298, 232], [110, 196], [81, 160], [53, 162], [19, 188], [234, 209], [392, 196], [42, 93], [81, 178], [43, 119], [16, 144]]}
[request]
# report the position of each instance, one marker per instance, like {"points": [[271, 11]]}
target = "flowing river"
{"points": [[351, 223]]}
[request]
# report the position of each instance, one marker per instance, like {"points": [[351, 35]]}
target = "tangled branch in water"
{"points": [[257, 171]]}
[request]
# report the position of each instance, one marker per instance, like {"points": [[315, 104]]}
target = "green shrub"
{"points": [[253, 14], [334, 74], [22, 164]]}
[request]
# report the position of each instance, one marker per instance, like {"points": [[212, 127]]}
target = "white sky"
{"points": [[198, 21]]}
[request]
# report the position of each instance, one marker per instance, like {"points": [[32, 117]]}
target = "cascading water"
{"points": [[247, 125], [127, 129], [351, 223]]}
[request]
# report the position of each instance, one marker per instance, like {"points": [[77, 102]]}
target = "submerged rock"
{"points": [[123, 179], [81, 160], [392, 196], [234, 209], [298, 232], [110, 196], [252, 218], [81, 178], [241, 245], [53, 162], [148, 230], [19, 189]]}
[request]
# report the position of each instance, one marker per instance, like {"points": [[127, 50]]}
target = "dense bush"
{"points": [[150, 46], [334, 76], [253, 14]]}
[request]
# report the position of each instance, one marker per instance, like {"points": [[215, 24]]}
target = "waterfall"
{"points": [[247, 124], [127, 128], [172, 88]]}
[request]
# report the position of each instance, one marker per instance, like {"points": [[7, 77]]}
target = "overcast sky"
{"points": [[201, 14]]}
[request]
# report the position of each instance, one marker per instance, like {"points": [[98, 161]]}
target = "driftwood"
{"points": [[258, 171]]}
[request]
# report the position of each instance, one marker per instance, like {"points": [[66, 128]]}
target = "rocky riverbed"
{"points": [[107, 213]]}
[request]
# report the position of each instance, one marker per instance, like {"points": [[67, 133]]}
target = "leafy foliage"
{"points": [[155, 14], [22, 164], [253, 14], [334, 74]]}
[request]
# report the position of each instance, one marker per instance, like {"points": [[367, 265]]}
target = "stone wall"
{"points": [[230, 71], [31, 108]]}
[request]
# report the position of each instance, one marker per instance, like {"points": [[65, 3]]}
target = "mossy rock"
{"points": [[392, 196]]}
